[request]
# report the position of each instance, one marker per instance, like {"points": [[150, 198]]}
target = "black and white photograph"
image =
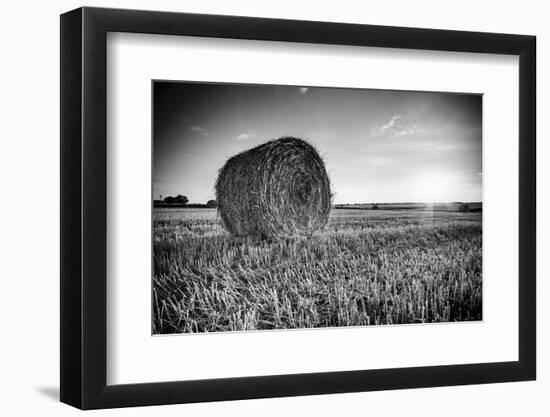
{"points": [[293, 207]]}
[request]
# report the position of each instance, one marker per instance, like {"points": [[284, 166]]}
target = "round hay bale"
{"points": [[278, 189]]}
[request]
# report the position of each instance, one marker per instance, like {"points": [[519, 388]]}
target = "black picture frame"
{"points": [[84, 207]]}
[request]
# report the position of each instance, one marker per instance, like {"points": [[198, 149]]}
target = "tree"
{"points": [[179, 199], [211, 204], [375, 207]]}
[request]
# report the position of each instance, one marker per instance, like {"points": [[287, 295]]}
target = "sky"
{"points": [[379, 146]]}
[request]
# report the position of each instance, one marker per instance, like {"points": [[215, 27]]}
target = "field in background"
{"points": [[474, 207], [368, 267]]}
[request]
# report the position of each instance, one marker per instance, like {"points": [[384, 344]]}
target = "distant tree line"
{"points": [[473, 207], [179, 199], [182, 201]]}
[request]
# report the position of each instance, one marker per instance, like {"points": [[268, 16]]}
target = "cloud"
{"points": [[199, 129], [245, 136], [406, 130], [302, 90], [398, 126], [390, 124]]}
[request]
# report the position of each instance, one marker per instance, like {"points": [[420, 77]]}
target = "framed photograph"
{"points": [[257, 208]]}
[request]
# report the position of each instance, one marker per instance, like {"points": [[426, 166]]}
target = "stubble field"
{"points": [[368, 267]]}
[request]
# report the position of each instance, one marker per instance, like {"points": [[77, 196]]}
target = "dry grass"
{"points": [[368, 267]]}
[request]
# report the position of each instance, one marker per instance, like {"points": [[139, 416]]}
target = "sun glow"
{"points": [[435, 187]]}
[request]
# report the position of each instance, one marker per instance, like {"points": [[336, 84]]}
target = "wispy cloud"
{"points": [[390, 124], [245, 136], [302, 90], [407, 130], [199, 129], [398, 126]]}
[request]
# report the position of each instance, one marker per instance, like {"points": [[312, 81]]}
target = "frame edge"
{"points": [[70, 208], [527, 207]]}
